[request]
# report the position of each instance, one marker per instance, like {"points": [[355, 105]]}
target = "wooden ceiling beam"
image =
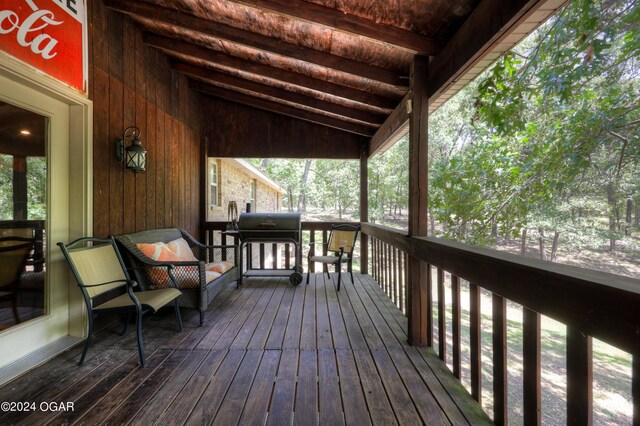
{"points": [[256, 41], [201, 53], [489, 23], [283, 109], [276, 92], [393, 128], [345, 22]]}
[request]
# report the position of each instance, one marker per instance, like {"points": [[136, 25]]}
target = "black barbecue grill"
{"points": [[272, 228]]}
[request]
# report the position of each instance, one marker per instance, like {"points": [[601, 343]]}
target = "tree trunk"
{"points": [[523, 244], [554, 246], [613, 217], [264, 163], [432, 221], [627, 229], [543, 250], [290, 203], [303, 187], [637, 214], [494, 229]]}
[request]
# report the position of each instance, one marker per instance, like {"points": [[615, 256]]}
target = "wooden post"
{"points": [[531, 391], [364, 208], [455, 325], [442, 323], [635, 388], [499, 317], [579, 378], [418, 174], [475, 341]]}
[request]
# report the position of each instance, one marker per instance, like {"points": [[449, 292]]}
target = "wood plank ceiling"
{"points": [[340, 63]]}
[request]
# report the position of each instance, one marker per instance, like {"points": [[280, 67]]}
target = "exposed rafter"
{"points": [[279, 108], [276, 92], [235, 35], [201, 53], [341, 21]]}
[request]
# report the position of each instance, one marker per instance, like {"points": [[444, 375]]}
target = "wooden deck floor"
{"points": [[269, 353]]}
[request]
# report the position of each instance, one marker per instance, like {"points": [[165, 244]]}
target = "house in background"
{"points": [[233, 179]]}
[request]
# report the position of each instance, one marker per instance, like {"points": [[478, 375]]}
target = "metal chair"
{"points": [[98, 268], [342, 240], [14, 252]]}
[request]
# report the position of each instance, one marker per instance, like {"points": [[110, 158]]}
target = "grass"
{"points": [[611, 367]]}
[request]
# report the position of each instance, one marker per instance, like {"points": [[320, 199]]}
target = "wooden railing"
{"points": [[260, 253], [589, 303]]}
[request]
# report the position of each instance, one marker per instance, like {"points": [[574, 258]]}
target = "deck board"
{"points": [[268, 353]]}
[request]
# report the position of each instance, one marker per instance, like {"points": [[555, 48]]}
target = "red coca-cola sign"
{"points": [[46, 34]]}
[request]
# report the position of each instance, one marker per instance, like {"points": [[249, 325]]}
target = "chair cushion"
{"points": [[219, 267], [180, 248], [152, 298]]}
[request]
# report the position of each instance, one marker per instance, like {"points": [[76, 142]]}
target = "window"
{"points": [[212, 194]]}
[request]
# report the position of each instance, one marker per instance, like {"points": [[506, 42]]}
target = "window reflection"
{"points": [[23, 209]]}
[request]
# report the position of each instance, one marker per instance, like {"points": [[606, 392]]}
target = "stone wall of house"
{"points": [[234, 185]]}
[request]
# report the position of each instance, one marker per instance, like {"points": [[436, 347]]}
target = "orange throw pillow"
{"points": [[181, 249], [161, 253], [158, 251]]}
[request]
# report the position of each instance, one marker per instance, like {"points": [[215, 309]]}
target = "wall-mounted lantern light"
{"points": [[134, 156]]}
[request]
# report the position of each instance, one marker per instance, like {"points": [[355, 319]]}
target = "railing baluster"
{"points": [[455, 324], [274, 255], [635, 388], [372, 257], [499, 308], [579, 378], [379, 279], [287, 256], [223, 241], [531, 366], [475, 342], [325, 267], [385, 254], [396, 278], [429, 309], [312, 250], [261, 255], [442, 324], [405, 285]]}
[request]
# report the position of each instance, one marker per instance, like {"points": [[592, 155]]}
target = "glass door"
{"points": [[23, 214]]}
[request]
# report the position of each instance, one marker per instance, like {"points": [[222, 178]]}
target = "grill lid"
{"points": [[269, 222]]}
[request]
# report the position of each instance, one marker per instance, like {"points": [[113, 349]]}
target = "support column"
{"points": [[420, 327], [364, 207], [19, 188]]}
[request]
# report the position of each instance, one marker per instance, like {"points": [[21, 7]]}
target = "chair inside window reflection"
{"points": [[14, 252]]}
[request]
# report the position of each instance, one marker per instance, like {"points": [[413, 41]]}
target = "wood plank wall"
{"points": [[234, 130], [131, 84]]}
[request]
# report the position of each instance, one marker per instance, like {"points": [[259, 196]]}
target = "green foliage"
{"points": [[36, 187], [555, 120], [6, 187]]}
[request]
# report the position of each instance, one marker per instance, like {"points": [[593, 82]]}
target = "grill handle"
{"points": [[268, 224]]}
